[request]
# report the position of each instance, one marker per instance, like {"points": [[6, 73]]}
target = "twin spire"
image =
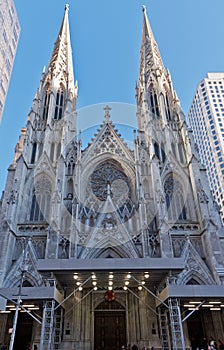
{"points": [[60, 69], [150, 58]]}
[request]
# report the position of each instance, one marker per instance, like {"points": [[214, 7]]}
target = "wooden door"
{"points": [[109, 330]]}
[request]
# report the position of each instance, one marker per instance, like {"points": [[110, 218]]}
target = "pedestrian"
{"points": [[221, 345], [212, 345], [134, 347]]}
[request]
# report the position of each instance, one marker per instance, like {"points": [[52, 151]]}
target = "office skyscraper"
{"points": [[9, 36], [206, 117]]}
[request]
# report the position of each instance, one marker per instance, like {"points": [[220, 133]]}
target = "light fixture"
{"points": [[192, 308], [80, 288], [126, 283], [214, 302], [194, 302], [34, 308], [95, 288], [143, 282], [139, 287], [110, 283], [5, 312], [125, 287], [207, 305], [128, 275], [93, 276], [75, 276], [222, 305], [146, 275], [13, 305], [215, 308], [188, 305], [94, 283], [28, 305], [78, 283], [110, 288], [111, 276]]}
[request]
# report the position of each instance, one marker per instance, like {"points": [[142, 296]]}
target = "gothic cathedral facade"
{"points": [[106, 246]]}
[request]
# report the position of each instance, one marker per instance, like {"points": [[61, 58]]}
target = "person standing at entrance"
{"points": [[134, 347], [212, 345]]}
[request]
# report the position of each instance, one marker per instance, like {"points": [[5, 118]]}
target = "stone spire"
{"points": [[150, 59], [60, 69]]}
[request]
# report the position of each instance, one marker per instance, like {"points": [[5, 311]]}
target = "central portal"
{"points": [[109, 326]]}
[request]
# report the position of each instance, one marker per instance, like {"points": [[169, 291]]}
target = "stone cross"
{"points": [[107, 110]]}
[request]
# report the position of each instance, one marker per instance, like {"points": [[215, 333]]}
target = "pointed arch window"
{"points": [[52, 152], [181, 152], [33, 154], [168, 108], [154, 103], [175, 203], [156, 150], [46, 104], [41, 200], [40, 149], [163, 154], [173, 147], [58, 150], [59, 104]]}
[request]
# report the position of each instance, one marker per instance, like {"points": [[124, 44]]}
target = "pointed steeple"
{"points": [[60, 69], [150, 60]]}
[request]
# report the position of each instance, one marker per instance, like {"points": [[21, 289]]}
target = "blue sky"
{"points": [[106, 38]]}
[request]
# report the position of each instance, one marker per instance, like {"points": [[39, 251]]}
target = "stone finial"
{"points": [[107, 110]]}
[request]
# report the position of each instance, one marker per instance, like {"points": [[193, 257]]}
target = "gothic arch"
{"points": [[59, 102], [40, 206], [195, 268], [153, 101], [32, 276], [194, 275], [46, 101], [29, 277], [175, 198], [113, 250]]}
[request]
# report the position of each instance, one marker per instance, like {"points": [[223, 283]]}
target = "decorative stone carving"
{"points": [[154, 244], [178, 244], [195, 268], [12, 197], [63, 252], [107, 142], [203, 198], [106, 174]]}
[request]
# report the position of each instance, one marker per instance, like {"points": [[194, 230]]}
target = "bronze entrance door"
{"points": [[109, 330]]}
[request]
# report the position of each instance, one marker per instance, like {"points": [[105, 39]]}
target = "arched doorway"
{"points": [[109, 326]]}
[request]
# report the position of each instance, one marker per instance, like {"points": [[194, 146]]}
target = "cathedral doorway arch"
{"points": [[109, 326]]}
